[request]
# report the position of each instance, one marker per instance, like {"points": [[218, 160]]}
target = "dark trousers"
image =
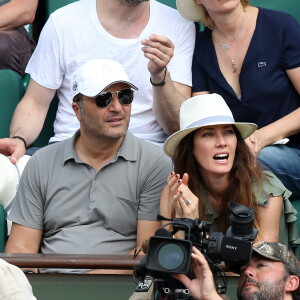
{"points": [[16, 47]]}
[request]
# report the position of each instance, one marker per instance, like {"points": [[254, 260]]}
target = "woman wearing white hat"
{"points": [[251, 57], [213, 165]]}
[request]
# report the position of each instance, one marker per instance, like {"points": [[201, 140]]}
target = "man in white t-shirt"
{"points": [[151, 41]]}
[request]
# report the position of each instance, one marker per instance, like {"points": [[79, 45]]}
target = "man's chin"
{"points": [[248, 293]]}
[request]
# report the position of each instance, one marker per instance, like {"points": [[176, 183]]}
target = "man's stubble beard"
{"points": [[132, 2], [267, 291], [95, 130]]}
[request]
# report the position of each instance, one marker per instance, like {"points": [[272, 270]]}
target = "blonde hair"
{"points": [[205, 18]]}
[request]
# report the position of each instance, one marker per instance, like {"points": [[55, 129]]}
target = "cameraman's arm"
{"points": [[203, 286]]}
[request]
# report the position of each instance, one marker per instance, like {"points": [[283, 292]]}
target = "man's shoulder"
{"points": [[71, 11], [143, 144], [276, 20], [149, 150], [51, 151]]}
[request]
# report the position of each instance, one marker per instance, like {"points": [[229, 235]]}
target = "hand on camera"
{"points": [[203, 286]]}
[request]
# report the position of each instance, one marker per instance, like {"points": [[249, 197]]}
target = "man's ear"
{"points": [[76, 109], [292, 283]]}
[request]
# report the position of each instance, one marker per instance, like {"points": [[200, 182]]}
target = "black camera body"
{"points": [[167, 255]]}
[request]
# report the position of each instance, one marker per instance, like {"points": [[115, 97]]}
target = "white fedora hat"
{"points": [[9, 178], [190, 10], [200, 111]]}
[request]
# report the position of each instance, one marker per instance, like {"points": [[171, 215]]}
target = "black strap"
{"points": [[163, 81], [20, 138]]}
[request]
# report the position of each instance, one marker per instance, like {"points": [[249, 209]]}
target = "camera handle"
{"points": [[163, 289]]}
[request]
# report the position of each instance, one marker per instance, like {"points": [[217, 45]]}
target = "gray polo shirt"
{"points": [[86, 212]]}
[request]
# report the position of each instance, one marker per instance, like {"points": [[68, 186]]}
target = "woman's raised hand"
{"points": [[181, 197]]}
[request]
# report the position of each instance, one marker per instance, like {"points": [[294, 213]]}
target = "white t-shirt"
{"points": [[74, 35]]}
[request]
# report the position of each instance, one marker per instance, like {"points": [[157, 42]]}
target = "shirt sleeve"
{"points": [[180, 65], [152, 188], [199, 75], [44, 65], [291, 43], [27, 209], [288, 232]]}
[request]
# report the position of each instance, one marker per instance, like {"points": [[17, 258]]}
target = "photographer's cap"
{"points": [[278, 252], [96, 75]]}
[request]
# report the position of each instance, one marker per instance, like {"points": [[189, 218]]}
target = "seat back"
{"points": [[296, 204], [3, 228], [289, 6], [11, 91], [52, 5]]}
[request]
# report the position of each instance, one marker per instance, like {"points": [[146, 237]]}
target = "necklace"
{"points": [[233, 59], [225, 47]]}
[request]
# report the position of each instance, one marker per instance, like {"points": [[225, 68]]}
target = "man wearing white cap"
{"points": [[153, 43], [97, 192]]}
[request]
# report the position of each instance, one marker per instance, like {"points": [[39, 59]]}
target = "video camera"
{"points": [[167, 255]]}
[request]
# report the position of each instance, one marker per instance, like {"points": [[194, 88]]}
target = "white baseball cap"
{"points": [[96, 75]]}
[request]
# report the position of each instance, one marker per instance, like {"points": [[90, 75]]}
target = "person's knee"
{"points": [[271, 156], [5, 53]]}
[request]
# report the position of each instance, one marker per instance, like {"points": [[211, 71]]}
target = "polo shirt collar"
{"points": [[128, 149], [69, 153]]}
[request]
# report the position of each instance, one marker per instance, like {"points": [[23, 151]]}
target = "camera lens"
{"points": [[170, 256]]}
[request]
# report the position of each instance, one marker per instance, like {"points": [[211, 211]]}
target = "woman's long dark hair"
{"points": [[241, 177]]}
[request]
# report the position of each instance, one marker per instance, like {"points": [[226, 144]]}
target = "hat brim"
{"points": [[93, 92], [263, 254], [171, 144], [189, 10]]}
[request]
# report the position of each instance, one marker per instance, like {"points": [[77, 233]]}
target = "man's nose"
{"points": [[249, 271], [115, 103]]}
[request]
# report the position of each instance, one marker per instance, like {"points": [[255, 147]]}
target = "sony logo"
{"points": [[231, 247]]}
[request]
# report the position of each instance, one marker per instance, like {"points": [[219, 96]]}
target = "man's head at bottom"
{"points": [[272, 273]]}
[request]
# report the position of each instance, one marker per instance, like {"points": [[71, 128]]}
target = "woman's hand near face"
{"points": [[183, 200]]}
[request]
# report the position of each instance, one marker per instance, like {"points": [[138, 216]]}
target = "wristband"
{"points": [[163, 81], [20, 138]]}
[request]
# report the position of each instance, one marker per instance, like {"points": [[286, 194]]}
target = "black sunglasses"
{"points": [[104, 99]]}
